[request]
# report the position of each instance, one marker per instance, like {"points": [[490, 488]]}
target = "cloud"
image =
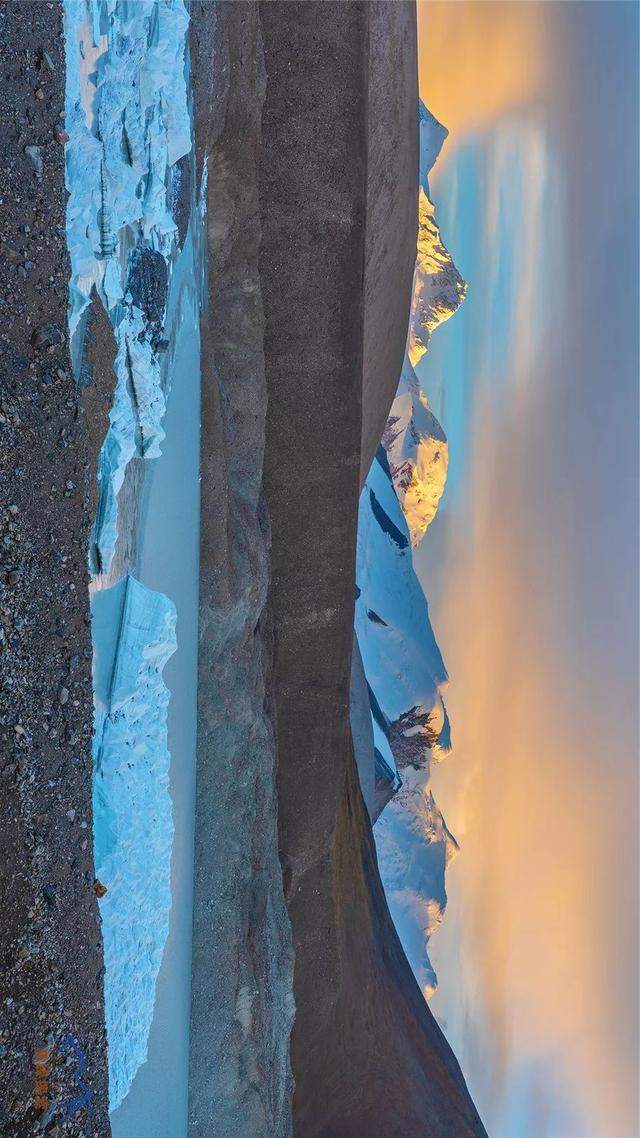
{"points": [[538, 619], [471, 60], [540, 793]]}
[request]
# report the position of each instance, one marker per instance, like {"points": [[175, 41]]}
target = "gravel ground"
{"points": [[51, 970]]}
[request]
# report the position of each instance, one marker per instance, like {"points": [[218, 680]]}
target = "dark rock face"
{"points": [[362, 731], [412, 737], [368, 1058], [51, 964], [240, 1078], [148, 282], [392, 208], [312, 198]]}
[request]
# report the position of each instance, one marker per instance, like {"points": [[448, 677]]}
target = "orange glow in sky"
{"points": [[537, 613], [471, 60], [538, 825]]}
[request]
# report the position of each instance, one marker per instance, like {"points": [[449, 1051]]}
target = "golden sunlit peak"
{"points": [[438, 288], [415, 443]]}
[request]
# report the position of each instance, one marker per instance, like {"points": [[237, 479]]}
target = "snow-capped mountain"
{"points": [[401, 659], [415, 443], [405, 677], [414, 850], [403, 667], [418, 454]]}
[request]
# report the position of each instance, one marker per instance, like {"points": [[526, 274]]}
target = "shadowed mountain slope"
{"points": [[368, 1058]]}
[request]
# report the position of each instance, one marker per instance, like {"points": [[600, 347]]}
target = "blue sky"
{"points": [[531, 566]]}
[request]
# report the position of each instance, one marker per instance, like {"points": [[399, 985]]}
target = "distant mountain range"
{"points": [[403, 666]]}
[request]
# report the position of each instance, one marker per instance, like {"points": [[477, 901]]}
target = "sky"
{"points": [[531, 566]]}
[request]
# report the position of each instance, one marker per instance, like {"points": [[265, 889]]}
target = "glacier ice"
{"points": [[128, 124], [134, 636]]}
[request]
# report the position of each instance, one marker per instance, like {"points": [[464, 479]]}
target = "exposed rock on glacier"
{"points": [[134, 636], [414, 440]]}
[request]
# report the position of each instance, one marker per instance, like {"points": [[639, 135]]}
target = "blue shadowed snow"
{"points": [[432, 137], [405, 672], [414, 849], [401, 659], [385, 523]]}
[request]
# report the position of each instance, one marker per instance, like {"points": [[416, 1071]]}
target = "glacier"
{"points": [[128, 126], [405, 674], [134, 636], [128, 172], [166, 559]]}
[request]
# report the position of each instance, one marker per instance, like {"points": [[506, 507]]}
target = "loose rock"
{"points": [[34, 153]]}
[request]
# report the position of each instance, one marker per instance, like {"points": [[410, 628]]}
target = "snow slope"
{"points": [[406, 678]]}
